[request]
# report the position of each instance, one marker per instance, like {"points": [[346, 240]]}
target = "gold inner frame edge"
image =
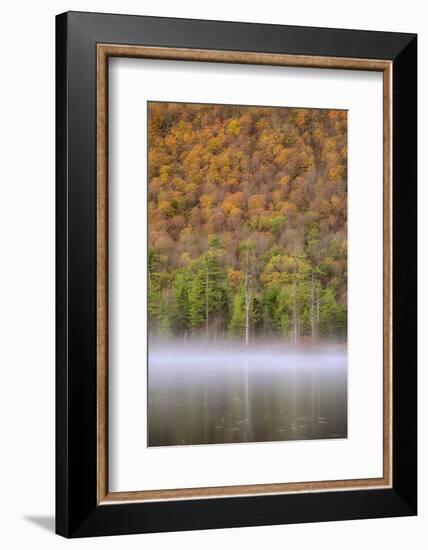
{"points": [[104, 51]]}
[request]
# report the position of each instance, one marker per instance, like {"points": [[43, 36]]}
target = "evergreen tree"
{"points": [[208, 298], [182, 302], [164, 319], [236, 328], [154, 293], [197, 309]]}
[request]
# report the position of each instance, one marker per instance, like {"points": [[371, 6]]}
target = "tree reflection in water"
{"points": [[200, 395]]}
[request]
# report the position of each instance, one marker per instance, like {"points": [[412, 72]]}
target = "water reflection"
{"points": [[205, 395]]}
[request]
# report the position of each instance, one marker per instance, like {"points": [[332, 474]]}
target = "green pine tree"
{"points": [[236, 328]]}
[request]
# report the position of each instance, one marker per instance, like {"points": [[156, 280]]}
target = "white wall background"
{"points": [[27, 272]]}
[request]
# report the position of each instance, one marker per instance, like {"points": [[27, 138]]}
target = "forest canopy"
{"points": [[247, 216]]}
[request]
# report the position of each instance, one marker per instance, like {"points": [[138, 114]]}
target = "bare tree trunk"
{"points": [[247, 303], [247, 316], [294, 309], [297, 327], [313, 328], [206, 303], [318, 308]]}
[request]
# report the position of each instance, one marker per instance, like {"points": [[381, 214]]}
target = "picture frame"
{"points": [[84, 44]]}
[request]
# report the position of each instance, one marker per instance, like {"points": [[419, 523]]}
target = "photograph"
{"points": [[247, 273]]}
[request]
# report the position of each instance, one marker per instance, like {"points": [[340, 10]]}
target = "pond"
{"points": [[213, 395]]}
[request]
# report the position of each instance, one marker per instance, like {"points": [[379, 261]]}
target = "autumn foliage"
{"points": [[247, 222]]}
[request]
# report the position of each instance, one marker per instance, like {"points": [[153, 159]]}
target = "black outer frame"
{"points": [[77, 513]]}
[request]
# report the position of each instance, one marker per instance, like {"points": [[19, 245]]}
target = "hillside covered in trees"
{"points": [[247, 223]]}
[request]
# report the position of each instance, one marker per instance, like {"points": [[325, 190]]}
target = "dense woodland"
{"points": [[247, 223]]}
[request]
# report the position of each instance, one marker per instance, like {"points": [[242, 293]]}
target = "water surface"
{"points": [[201, 395]]}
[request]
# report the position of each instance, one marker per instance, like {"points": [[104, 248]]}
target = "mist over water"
{"points": [[204, 394]]}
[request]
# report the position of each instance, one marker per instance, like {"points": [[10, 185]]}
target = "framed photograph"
{"points": [[236, 274]]}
